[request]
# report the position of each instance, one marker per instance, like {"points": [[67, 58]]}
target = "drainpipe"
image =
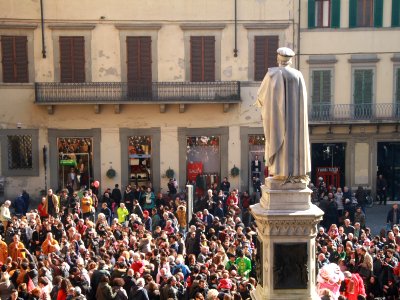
{"points": [[298, 38], [42, 21], [235, 51]]}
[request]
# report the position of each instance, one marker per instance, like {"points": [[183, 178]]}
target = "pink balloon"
{"points": [[96, 184]]}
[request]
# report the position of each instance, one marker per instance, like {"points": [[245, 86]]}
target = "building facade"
{"points": [[142, 87], [349, 55], [135, 87]]}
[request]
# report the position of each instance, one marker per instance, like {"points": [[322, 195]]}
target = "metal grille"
{"points": [[19, 151]]}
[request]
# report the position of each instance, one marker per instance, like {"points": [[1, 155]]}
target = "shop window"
{"points": [[139, 151], [75, 160], [19, 152], [203, 161], [257, 169]]}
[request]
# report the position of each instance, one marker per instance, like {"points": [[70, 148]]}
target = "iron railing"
{"points": [[354, 112], [117, 92]]}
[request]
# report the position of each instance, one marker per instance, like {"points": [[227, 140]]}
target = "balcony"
{"points": [[53, 93], [353, 113]]}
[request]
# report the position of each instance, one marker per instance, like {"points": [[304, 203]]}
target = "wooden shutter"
{"points": [[335, 13], [363, 86], [311, 13], [397, 96], [139, 66], [378, 13], [14, 58], [395, 13], [72, 58], [264, 54], [202, 58], [321, 86], [353, 13]]}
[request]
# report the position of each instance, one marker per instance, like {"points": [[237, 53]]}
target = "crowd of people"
{"points": [[370, 263], [130, 244]]}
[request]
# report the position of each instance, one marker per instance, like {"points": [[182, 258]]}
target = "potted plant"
{"points": [[170, 173]]}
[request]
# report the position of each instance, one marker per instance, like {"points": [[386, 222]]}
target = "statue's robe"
{"points": [[282, 98]]}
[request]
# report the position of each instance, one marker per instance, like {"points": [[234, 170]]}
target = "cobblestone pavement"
{"points": [[376, 216]]}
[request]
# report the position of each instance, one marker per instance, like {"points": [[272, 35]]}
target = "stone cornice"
{"points": [[253, 26], [288, 227], [72, 26], [202, 26], [138, 26], [28, 26]]}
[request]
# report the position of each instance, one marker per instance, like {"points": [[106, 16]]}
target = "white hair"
{"points": [[212, 294], [140, 282]]}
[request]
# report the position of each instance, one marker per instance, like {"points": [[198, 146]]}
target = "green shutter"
{"points": [[363, 86], [397, 85], [321, 92], [378, 13], [335, 11], [353, 13], [311, 13], [395, 13]]}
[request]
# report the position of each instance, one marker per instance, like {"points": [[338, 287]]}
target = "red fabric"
{"points": [[194, 169], [30, 285], [137, 266], [61, 295], [42, 211]]}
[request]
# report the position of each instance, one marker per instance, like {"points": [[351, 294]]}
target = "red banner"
{"points": [[194, 169]]}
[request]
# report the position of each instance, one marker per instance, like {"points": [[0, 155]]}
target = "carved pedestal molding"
{"points": [[286, 219]]}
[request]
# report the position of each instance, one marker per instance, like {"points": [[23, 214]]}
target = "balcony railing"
{"points": [[122, 92], [354, 112]]}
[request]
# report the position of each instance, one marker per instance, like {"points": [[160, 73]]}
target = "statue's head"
{"points": [[285, 55]]}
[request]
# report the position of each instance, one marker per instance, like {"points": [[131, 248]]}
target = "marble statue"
{"points": [[282, 98]]}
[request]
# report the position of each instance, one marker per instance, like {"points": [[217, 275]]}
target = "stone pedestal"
{"points": [[287, 225]]}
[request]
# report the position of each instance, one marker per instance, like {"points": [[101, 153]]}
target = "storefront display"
{"points": [[139, 151], [203, 160], [257, 170], [75, 165]]}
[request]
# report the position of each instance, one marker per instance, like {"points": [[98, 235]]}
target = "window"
{"points": [[366, 13], [19, 151], [395, 13], [321, 94], [363, 93], [323, 13], [139, 66], [14, 59], [264, 54], [72, 58], [139, 151], [202, 58]]}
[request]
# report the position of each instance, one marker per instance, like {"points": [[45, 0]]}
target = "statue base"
{"points": [[286, 225]]}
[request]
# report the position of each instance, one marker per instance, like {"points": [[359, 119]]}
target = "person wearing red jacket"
{"points": [[137, 265]]}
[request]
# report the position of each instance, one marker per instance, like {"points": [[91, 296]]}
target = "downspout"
{"points": [[42, 21], [235, 51], [298, 38]]}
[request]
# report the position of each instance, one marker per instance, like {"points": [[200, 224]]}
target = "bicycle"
{"points": [[369, 200]]}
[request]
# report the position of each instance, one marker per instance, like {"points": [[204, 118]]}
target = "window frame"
{"points": [[204, 56], [6, 171], [20, 30], [364, 22], [255, 29], [356, 68], [130, 30], [202, 30], [73, 59], [71, 30], [396, 84]]}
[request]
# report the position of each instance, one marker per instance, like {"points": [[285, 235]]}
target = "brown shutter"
{"points": [[139, 66], [202, 58], [264, 54], [14, 58], [196, 58], [209, 58], [72, 58]]}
